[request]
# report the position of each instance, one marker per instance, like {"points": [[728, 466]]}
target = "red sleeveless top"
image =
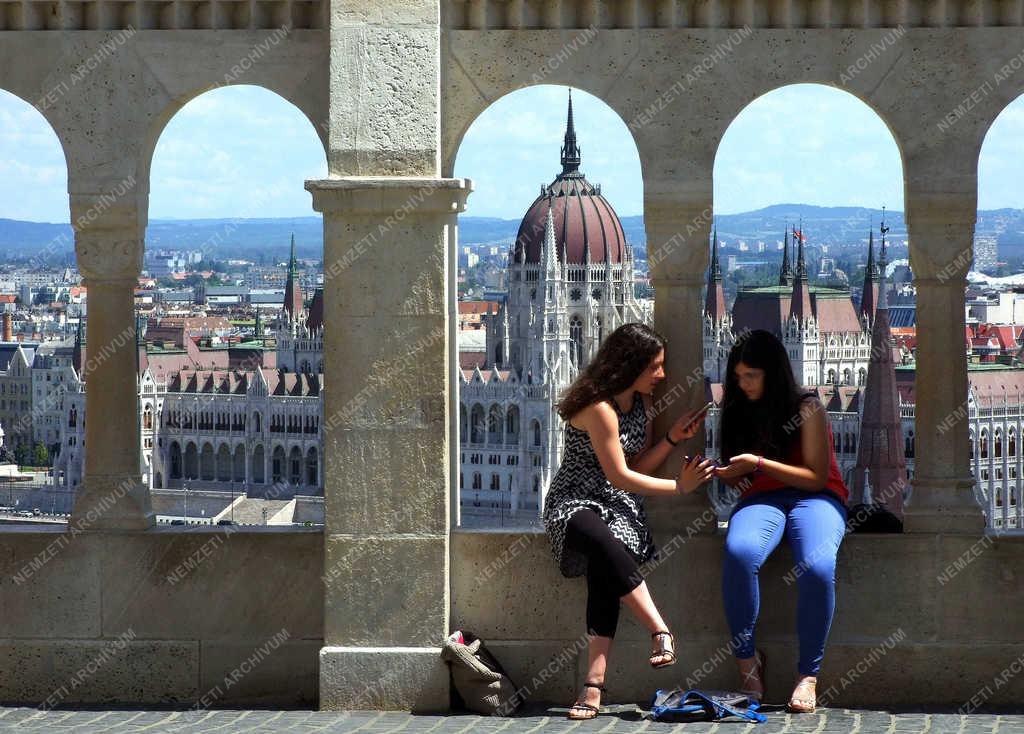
{"points": [[762, 482]]}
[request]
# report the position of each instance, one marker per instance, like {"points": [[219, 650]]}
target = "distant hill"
{"points": [[266, 240]]}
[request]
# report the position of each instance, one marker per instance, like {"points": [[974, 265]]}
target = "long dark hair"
{"points": [[619, 361], [767, 426]]}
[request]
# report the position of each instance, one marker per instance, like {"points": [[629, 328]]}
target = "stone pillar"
{"points": [[941, 231], [108, 245], [678, 233], [387, 428]]}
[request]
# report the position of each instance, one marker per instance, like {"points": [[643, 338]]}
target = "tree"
{"points": [[41, 455], [22, 454]]}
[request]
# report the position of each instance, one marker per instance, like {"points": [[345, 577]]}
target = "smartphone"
{"points": [[687, 459], [707, 406]]}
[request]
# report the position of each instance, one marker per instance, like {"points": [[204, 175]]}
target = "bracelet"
{"points": [[759, 460], [668, 438]]}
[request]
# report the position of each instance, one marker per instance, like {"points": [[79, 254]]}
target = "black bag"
{"points": [[872, 518]]}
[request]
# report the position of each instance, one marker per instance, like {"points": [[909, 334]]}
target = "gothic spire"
{"points": [[570, 151], [786, 273], [714, 300], [801, 269], [292, 289], [869, 294]]}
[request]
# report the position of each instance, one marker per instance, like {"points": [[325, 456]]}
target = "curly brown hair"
{"points": [[620, 360]]}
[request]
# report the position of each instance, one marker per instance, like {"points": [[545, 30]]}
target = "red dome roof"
{"points": [[583, 220]]}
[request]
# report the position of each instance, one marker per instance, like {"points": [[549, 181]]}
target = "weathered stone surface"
{"points": [[117, 669], [388, 678], [50, 586], [249, 585], [387, 480], [386, 590], [250, 674]]}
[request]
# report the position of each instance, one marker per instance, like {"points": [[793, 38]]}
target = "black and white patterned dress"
{"points": [[580, 484]]}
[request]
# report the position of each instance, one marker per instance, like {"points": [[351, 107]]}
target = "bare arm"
{"points": [[600, 421], [816, 451], [650, 458]]}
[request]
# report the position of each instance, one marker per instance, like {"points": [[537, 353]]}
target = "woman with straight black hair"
{"points": [[594, 513], [779, 443]]}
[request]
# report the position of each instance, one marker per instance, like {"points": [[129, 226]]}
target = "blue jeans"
{"points": [[815, 523]]}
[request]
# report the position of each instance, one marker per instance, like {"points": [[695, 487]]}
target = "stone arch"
{"points": [[238, 464], [312, 467], [495, 424], [278, 470], [191, 461], [477, 424], [176, 460], [281, 88], [458, 119], [206, 462], [223, 463], [258, 465], [295, 466]]}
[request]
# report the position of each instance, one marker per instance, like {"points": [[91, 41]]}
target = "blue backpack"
{"points": [[696, 705]]}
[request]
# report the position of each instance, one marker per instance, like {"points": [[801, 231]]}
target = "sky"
{"points": [[242, 151]]}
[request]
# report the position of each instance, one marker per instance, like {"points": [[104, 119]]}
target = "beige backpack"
{"points": [[478, 676]]}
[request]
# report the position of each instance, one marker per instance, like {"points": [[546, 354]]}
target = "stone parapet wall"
{"points": [[167, 616], [920, 619]]}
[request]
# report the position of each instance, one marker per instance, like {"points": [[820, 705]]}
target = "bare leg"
{"points": [[597, 665], [641, 604]]}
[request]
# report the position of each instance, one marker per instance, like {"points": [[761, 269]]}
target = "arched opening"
{"points": [[277, 467], [572, 282], [206, 462], [238, 465], [258, 465], [295, 466], [312, 468], [224, 463], [191, 461], [176, 464]]}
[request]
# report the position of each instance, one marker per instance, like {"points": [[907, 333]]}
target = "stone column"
{"points": [[387, 428], [108, 245], [941, 231], [678, 231]]}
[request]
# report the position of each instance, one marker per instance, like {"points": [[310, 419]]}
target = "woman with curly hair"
{"points": [[594, 513], [779, 442]]}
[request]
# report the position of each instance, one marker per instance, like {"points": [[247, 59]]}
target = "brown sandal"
{"points": [[760, 659], [591, 711], [801, 702], [663, 650]]}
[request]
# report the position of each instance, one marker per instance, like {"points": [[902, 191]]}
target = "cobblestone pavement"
{"points": [[615, 719]]}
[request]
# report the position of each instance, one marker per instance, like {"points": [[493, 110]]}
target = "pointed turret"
{"points": [[292, 289], [714, 301], [550, 246], [869, 294], [800, 303], [786, 272], [881, 471], [571, 154]]}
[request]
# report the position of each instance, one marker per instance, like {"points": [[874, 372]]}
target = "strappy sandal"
{"points": [[760, 660], [590, 710], [663, 650], [800, 702]]}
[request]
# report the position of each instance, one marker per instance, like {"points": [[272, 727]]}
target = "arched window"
{"points": [[984, 443], [476, 424], [862, 376], [831, 377], [495, 481], [999, 443], [847, 377], [494, 425], [536, 484], [599, 329], [535, 426], [576, 337], [476, 480], [175, 460], [277, 466], [970, 444], [312, 473], [512, 425], [258, 473], [909, 453], [147, 417], [1012, 440], [295, 466], [462, 423]]}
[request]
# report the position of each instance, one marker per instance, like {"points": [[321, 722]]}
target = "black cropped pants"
{"points": [[612, 572]]}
